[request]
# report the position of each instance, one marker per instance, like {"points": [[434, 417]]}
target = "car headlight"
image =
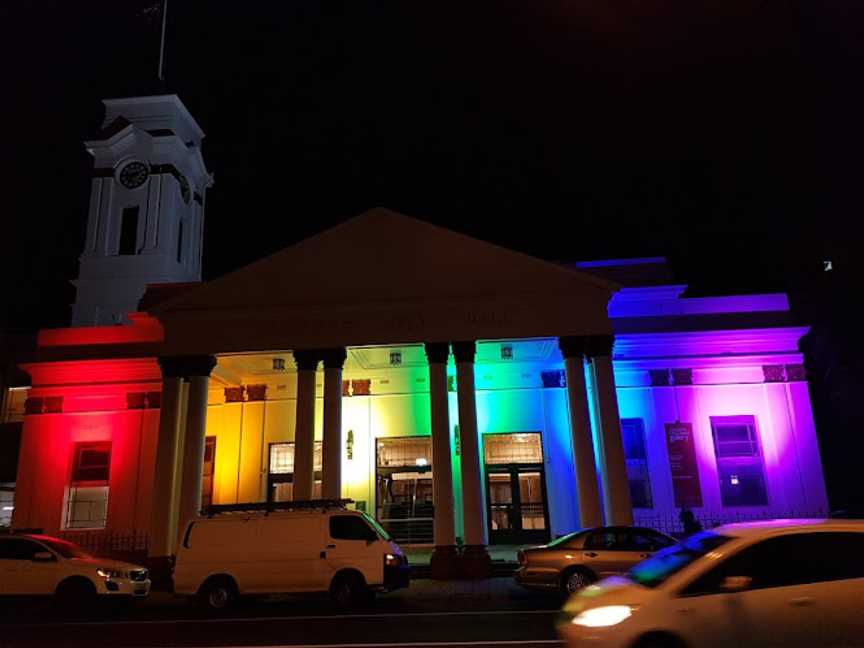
{"points": [[601, 617], [111, 573]]}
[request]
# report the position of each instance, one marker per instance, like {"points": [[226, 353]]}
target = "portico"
{"points": [[351, 293]]}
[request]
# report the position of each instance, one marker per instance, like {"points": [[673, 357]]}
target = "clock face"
{"points": [[184, 188], [134, 175]]}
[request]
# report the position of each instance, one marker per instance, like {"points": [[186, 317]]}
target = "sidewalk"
{"points": [[503, 559]]}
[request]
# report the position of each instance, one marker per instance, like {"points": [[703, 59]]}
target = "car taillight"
{"points": [[520, 556]]}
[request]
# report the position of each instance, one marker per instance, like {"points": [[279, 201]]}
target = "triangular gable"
{"points": [[383, 256]]}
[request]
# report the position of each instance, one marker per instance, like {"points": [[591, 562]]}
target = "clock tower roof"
{"points": [[153, 113]]}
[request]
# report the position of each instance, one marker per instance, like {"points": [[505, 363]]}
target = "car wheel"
{"points": [[575, 580], [217, 594], [350, 590], [75, 594]]}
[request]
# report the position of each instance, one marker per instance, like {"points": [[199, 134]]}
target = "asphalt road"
{"points": [[481, 618]]}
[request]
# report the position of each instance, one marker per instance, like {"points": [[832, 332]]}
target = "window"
{"points": [[87, 496], [19, 549], [633, 436], [208, 472], [350, 527], [180, 243], [739, 461], [608, 540], [281, 474], [648, 540], [789, 560], [518, 448], [129, 231]]}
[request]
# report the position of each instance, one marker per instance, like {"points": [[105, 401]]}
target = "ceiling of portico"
{"points": [[383, 278]]}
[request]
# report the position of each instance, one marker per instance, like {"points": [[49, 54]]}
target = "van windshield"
{"points": [[378, 528]]}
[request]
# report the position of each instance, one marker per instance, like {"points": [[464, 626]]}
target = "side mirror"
{"points": [[735, 583], [43, 556]]}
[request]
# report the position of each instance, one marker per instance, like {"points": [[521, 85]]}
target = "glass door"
{"points": [[515, 488]]}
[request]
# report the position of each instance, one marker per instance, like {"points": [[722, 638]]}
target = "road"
{"points": [[476, 619]]}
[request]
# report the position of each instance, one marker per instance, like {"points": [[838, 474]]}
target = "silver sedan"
{"points": [[573, 561]]}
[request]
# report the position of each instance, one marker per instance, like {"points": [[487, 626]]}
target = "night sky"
{"points": [[723, 134]]}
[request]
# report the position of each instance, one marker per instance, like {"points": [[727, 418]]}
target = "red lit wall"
{"points": [[95, 407]]}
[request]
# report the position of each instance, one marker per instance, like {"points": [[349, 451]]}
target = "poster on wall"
{"points": [[683, 465]]}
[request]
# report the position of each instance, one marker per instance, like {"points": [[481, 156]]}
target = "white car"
{"points": [[776, 583], [39, 565]]}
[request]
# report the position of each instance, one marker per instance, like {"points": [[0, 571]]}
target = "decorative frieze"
{"points": [[682, 376], [256, 392], [234, 395], [796, 373], [554, 378], [659, 377], [361, 387], [774, 373], [43, 405]]}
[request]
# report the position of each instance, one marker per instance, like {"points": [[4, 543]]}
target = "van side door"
{"points": [[353, 544], [291, 553]]}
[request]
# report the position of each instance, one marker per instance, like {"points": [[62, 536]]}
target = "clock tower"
{"points": [[146, 217]]}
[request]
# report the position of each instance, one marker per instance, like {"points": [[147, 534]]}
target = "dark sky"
{"points": [[724, 133]]}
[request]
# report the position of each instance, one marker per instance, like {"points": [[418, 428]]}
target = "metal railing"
{"points": [[410, 530], [670, 523], [129, 545]]}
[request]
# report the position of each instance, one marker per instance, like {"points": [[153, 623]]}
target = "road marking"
{"points": [[56, 624], [412, 644]]}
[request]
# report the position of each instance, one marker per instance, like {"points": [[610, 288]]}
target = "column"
{"points": [[587, 495], [304, 432], [331, 478], [616, 488], [443, 562], [475, 559], [198, 369], [163, 530]]}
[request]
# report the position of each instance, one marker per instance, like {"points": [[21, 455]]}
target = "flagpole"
{"points": [[162, 41]]}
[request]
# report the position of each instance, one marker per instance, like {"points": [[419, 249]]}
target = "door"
{"points": [[353, 544], [612, 550], [516, 501], [291, 553], [20, 575], [777, 608]]}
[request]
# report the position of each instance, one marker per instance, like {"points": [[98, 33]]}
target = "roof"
{"points": [[748, 529], [384, 277]]}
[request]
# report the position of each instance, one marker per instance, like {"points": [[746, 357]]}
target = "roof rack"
{"points": [[268, 507]]}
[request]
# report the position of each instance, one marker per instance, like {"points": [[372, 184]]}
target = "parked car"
{"points": [[778, 583], [578, 559], [241, 552], [40, 565]]}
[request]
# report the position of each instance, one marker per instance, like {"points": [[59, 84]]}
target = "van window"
{"points": [[350, 527]]}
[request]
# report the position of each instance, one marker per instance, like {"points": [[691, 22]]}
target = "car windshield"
{"points": [[655, 570], [65, 548], [378, 528], [557, 542]]}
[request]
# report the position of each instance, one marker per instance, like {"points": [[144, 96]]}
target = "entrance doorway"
{"points": [[403, 488], [516, 488]]}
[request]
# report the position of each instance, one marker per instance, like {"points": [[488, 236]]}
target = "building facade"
{"points": [[462, 393]]}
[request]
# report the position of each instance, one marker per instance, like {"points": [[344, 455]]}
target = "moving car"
{"points": [[576, 560], [300, 547], [779, 583], [40, 565]]}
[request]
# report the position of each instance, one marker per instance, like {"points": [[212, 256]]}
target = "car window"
{"points": [[608, 540], [350, 527], [656, 570], [789, 560], [19, 549], [644, 541], [564, 540]]}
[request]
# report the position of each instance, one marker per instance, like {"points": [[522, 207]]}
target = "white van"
{"points": [[300, 547]]}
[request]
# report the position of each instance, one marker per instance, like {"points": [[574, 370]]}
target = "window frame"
{"points": [[727, 462], [638, 463]]}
